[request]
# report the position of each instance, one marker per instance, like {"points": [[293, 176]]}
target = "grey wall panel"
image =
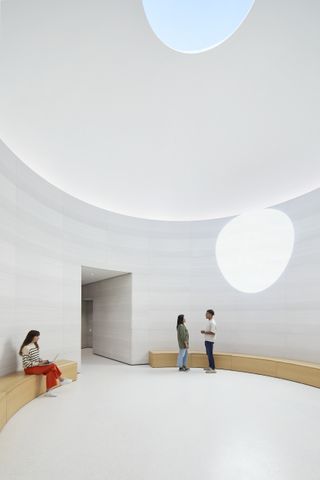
{"points": [[86, 323]]}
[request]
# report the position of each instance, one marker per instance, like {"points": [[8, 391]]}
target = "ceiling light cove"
{"points": [[193, 26]]}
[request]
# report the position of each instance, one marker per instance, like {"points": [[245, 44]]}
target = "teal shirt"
{"points": [[183, 335]]}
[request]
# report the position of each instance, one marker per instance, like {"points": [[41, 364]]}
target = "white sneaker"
{"points": [[65, 381], [206, 369], [210, 370], [50, 394]]}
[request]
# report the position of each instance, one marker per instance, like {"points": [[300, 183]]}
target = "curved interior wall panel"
{"points": [[46, 235]]}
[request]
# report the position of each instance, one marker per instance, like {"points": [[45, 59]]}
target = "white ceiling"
{"points": [[92, 275], [91, 100]]}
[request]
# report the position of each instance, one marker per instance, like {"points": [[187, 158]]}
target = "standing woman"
{"points": [[183, 341], [34, 365]]}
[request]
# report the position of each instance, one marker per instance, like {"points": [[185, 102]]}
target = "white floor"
{"points": [[119, 422]]}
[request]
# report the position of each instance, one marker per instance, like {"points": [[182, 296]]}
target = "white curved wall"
{"points": [[46, 235]]}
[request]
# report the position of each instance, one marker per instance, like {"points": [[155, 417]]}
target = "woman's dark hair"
{"points": [[210, 311], [180, 320], [30, 336]]}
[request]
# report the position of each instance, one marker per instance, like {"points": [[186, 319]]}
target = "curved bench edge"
{"points": [[3, 410], [15, 394], [294, 370]]}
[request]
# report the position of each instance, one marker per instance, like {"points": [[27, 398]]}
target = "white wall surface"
{"points": [[112, 317], [46, 235]]}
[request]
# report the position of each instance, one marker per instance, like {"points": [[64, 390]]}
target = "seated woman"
{"points": [[34, 365]]}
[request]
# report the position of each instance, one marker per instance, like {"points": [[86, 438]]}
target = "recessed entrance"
{"points": [[106, 313]]}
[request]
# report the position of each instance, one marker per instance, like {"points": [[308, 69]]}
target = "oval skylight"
{"points": [[193, 26], [254, 249]]}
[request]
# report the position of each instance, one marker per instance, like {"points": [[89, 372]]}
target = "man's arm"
{"points": [[210, 332]]}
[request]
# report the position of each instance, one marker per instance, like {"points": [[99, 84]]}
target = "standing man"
{"points": [[209, 337]]}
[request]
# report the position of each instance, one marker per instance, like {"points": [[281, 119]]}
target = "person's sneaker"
{"points": [[186, 369], [211, 370], [50, 394], [65, 381], [206, 369], [181, 369]]}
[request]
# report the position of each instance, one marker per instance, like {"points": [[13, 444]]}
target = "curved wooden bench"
{"points": [[302, 372], [17, 389]]}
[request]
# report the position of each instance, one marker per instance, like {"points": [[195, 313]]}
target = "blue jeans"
{"points": [[182, 357], [209, 350]]}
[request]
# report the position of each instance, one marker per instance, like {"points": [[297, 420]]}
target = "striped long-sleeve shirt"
{"points": [[30, 356]]}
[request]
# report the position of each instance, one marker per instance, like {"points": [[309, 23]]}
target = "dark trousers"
{"points": [[209, 350]]}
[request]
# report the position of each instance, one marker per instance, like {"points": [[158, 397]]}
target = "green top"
{"points": [[183, 335]]}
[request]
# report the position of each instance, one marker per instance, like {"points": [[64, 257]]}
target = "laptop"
{"points": [[54, 359]]}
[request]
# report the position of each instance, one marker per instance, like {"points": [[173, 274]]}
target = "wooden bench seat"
{"points": [[302, 372], [17, 389]]}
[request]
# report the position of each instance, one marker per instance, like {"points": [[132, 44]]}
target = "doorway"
{"points": [[86, 323], [106, 314]]}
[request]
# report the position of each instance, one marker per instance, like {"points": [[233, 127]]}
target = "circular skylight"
{"points": [[193, 26], [254, 249]]}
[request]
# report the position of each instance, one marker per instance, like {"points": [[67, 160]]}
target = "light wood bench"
{"points": [[18, 389], [302, 372]]}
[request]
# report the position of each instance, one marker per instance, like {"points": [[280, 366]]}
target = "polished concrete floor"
{"points": [[119, 422]]}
